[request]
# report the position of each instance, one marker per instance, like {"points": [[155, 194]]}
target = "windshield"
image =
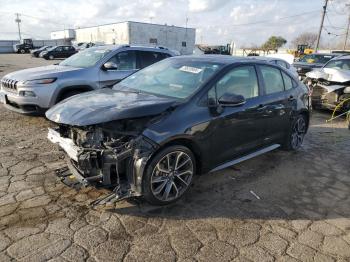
{"points": [[316, 59], [339, 64], [178, 78], [86, 58]]}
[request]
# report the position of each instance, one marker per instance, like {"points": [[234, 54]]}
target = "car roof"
{"points": [[266, 58], [220, 59], [116, 47]]}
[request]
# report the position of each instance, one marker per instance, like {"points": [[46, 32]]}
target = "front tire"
{"points": [[69, 94], [169, 175], [51, 57], [22, 51], [296, 134]]}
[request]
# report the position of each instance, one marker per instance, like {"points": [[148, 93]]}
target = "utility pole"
{"points": [[347, 30], [186, 24], [321, 26], [18, 21]]}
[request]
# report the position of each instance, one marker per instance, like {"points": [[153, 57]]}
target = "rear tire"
{"points": [[22, 51], [51, 57], [296, 134], [168, 175]]}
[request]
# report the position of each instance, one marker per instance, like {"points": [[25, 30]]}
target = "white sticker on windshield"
{"points": [[190, 69], [101, 51], [175, 87]]}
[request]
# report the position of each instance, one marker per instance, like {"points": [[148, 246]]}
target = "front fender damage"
{"points": [[109, 155]]}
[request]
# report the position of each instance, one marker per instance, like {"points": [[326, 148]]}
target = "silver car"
{"points": [[281, 62], [35, 90]]}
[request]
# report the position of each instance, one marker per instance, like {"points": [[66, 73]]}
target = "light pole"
{"points": [[18, 21]]}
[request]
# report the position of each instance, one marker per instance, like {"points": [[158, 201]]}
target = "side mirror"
{"points": [[110, 66], [231, 100]]}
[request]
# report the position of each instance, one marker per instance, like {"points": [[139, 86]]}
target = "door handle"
{"points": [[291, 98], [261, 107]]}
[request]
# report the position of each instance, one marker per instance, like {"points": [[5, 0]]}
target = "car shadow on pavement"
{"points": [[310, 184]]}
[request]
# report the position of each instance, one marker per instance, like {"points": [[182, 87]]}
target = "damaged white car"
{"points": [[330, 85]]}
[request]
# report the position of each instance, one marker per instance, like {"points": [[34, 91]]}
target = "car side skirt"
{"points": [[246, 157]]}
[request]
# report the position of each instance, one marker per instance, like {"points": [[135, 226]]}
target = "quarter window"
{"points": [[288, 82], [272, 79], [282, 63], [239, 81], [125, 60]]}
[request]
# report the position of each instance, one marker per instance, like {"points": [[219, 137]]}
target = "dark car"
{"points": [[36, 52], [155, 130], [312, 61], [61, 51]]}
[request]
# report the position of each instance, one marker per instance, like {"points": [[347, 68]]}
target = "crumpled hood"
{"points": [[330, 74], [107, 105], [40, 72]]}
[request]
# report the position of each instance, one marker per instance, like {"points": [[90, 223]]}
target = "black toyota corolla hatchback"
{"points": [[155, 130]]}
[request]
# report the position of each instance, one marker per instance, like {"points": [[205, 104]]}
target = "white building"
{"points": [[135, 33], [64, 34]]}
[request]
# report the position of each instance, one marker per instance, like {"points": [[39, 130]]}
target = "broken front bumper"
{"points": [[123, 170], [65, 143]]}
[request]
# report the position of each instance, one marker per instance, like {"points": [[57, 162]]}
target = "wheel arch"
{"points": [[306, 114], [63, 91], [187, 142]]}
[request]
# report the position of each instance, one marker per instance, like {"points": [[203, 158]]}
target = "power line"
{"points": [[35, 17], [43, 19], [280, 18], [331, 25], [332, 8], [330, 33]]}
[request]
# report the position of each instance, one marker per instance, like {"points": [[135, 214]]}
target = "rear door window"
{"points": [[272, 79], [148, 58]]}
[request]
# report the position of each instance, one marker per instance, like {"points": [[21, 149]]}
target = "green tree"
{"points": [[274, 42]]}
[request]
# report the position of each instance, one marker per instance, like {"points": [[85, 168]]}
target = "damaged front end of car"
{"points": [[329, 88], [112, 155]]}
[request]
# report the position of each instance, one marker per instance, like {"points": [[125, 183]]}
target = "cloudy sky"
{"points": [[247, 22]]}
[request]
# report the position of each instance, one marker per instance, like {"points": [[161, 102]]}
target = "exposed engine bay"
{"points": [[110, 154], [330, 87]]}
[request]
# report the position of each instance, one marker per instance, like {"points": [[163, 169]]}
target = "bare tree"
{"points": [[306, 38]]}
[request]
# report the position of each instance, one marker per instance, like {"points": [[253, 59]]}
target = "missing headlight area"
{"points": [[111, 154], [329, 87], [327, 95]]}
